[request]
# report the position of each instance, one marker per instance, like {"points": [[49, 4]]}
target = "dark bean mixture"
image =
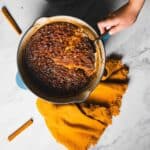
{"points": [[60, 57]]}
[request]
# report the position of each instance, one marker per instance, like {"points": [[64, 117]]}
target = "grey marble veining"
{"points": [[130, 130]]}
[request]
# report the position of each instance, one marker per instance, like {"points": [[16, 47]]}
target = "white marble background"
{"points": [[130, 130]]}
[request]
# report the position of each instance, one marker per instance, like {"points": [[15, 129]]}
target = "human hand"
{"points": [[119, 20]]}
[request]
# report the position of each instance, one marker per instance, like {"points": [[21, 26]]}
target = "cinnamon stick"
{"points": [[20, 129], [11, 20]]}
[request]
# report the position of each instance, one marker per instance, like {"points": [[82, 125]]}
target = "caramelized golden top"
{"points": [[61, 57]]}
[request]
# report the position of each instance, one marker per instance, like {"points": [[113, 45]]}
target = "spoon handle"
{"points": [[103, 37]]}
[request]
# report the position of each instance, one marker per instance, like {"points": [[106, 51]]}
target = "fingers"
{"points": [[101, 28], [107, 24]]}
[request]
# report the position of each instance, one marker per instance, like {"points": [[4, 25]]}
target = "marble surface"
{"points": [[130, 130]]}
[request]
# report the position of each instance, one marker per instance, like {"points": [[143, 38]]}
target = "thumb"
{"points": [[115, 29]]}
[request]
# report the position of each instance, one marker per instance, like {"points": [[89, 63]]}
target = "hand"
{"points": [[119, 20]]}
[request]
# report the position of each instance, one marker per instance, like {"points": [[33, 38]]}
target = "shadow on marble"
{"points": [[93, 12]]}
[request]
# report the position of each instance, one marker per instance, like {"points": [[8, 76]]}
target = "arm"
{"points": [[121, 18]]}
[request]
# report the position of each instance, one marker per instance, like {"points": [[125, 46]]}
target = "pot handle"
{"points": [[20, 82]]}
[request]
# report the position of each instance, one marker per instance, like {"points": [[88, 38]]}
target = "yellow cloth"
{"points": [[77, 126]]}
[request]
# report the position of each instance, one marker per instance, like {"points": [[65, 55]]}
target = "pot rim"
{"points": [[46, 20]]}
